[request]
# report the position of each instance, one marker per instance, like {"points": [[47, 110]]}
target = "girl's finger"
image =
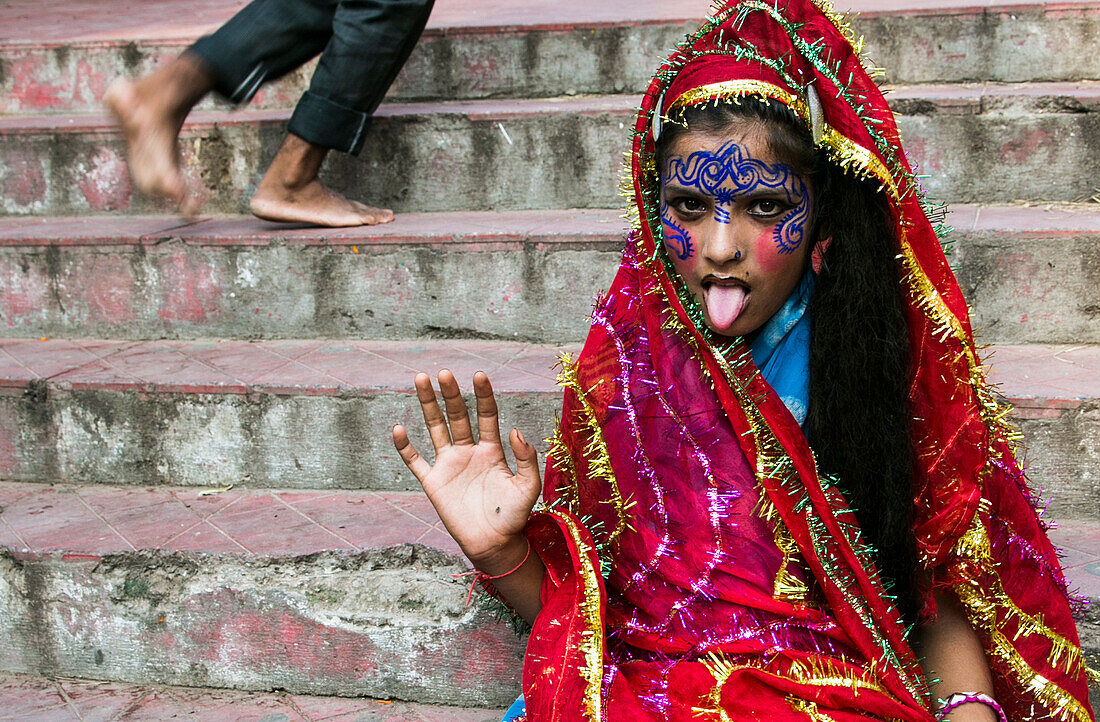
{"points": [[416, 463], [433, 417], [527, 462], [457, 413], [488, 421]]}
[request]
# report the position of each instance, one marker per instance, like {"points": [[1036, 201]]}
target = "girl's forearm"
{"points": [[954, 656]]}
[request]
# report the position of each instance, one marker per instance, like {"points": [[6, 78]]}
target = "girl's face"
{"points": [[735, 221]]}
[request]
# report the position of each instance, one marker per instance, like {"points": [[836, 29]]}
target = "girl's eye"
{"points": [[767, 208], [689, 205]]}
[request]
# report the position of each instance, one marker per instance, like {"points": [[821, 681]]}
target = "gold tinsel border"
{"points": [[815, 673], [591, 643], [595, 451], [558, 454], [981, 604]]}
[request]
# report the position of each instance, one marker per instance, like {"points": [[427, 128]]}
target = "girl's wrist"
{"points": [[505, 559]]}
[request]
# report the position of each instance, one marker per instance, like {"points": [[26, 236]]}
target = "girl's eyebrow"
{"points": [[757, 191], [677, 188]]}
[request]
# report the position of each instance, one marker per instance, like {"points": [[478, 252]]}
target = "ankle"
{"points": [[176, 87], [297, 164]]}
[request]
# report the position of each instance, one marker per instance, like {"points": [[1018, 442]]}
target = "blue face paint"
{"points": [[730, 174], [723, 201], [676, 236]]}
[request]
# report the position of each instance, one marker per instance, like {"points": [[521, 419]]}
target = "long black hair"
{"points": [[858, 419]]}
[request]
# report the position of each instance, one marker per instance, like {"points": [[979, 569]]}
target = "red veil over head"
{"points": [[650, 539]]}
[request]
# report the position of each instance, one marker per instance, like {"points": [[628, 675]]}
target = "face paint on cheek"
{"points": [[676, 236], [791, 231]]}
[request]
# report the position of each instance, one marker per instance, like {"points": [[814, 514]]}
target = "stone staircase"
{"points": [[148, 363]]}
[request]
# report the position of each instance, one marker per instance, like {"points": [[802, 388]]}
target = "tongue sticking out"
{"points": [[724, 304]]}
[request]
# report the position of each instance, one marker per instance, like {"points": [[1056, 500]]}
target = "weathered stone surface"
{"points": [[143, 608], [473, 63], [1001, 157], [1088, 626], [925, 46], [304, 441], [1030, 285], [520, 285], [1020, 44], [390, 623], [565, 153], [45, 698], [1063, 456]]}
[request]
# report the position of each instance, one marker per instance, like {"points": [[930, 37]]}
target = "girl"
{"points": [[781, 488]]}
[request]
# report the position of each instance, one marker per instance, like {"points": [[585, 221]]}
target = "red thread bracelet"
{"points": [[480, 576]]}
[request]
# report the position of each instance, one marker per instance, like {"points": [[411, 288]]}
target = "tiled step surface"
{"points": [[550, 49], [300, 591], [542, 153], [311, 414], [347, 593], [39, 699], [1028, 273], [103, 520]]}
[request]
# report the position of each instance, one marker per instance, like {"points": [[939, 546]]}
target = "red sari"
{"points": [[698, 567]]}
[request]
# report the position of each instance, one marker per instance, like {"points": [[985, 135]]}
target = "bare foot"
{"points": [[291, 193], [312, 203], [151, 112]]}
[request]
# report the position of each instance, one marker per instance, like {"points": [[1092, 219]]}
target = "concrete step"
{"points": [[292, 414], [316, 415], [538, 49], [520, 275], [1030, 274], [1036, 140], [304, 592], [43, 699], [327, 593]]}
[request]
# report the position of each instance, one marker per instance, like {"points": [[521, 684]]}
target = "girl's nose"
{"points": [[727, 244]]}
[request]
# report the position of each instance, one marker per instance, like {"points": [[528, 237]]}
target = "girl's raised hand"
{"points": [[481, 502]]}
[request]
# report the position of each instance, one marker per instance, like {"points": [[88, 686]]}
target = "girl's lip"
{"points": [[710, 280]]}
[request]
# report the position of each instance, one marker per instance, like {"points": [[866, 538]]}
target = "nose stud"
{"points": [[737, 256]]}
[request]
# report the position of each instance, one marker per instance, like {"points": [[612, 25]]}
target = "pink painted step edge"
{"points": [[1032, 376], [545, 226], [469, 227]]}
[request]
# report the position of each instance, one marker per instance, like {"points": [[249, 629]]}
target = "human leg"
{"points": [[265, 40], [150, 111], [371, 39]]}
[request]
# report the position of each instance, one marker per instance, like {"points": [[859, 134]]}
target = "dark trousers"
{"points": [[363, 44]]}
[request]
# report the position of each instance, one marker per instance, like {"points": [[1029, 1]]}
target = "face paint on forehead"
{"points": [[731, 173]]}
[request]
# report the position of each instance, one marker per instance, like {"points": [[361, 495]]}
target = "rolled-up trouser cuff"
{"points": [[234, 81], [328, 124]]}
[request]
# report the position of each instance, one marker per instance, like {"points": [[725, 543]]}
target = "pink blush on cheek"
{"points": [[768, 256]]}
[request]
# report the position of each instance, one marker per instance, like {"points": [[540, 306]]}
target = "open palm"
{"points": [[481, 502]]}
